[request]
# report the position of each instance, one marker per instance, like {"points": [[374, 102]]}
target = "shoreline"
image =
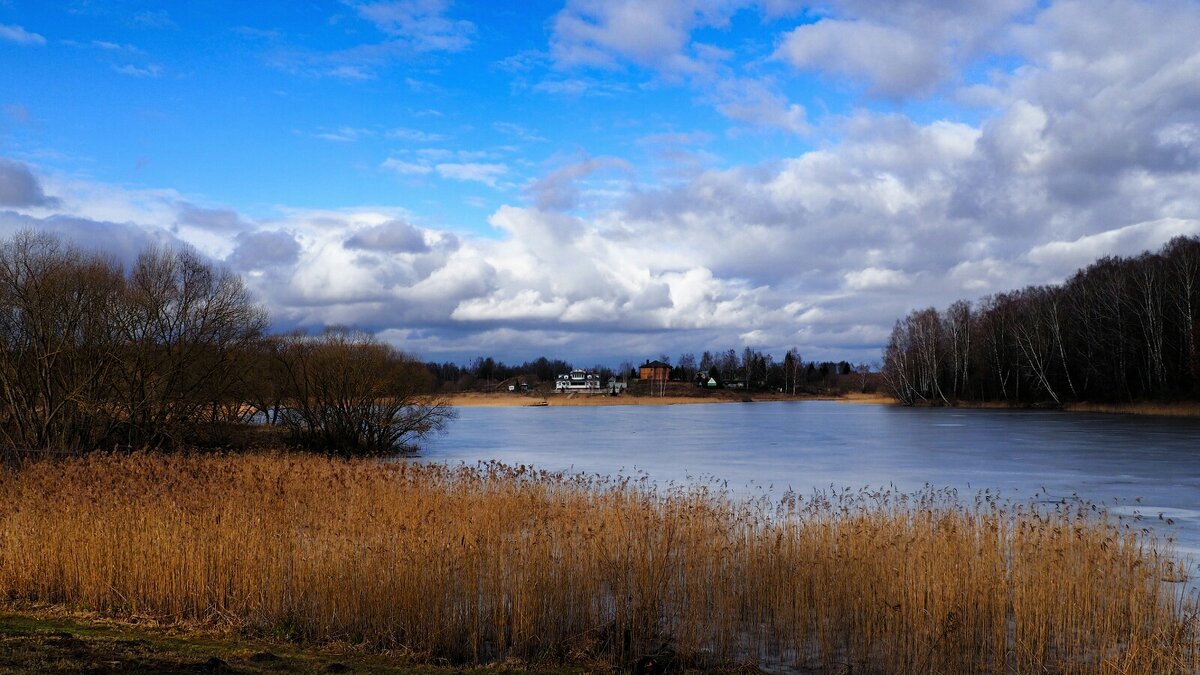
{"points": [[505, 400]]}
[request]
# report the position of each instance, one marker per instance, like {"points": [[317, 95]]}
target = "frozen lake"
{"points": [[1135, 465]]}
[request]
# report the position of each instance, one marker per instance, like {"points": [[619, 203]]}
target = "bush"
{"points": [[349, 394]]}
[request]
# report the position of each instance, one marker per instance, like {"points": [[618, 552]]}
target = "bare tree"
{"points": [[55, 343], [793, 365], [1035, 337], [1123, 328], [687, 366], [1183, 263], [864, 372], [1147, 305], [188, 331], [899, 370], [626, 369], [349, 394], [958, 334]]}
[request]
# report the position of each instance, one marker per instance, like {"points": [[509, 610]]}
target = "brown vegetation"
{"points": [[350, 394], [475, 565], [1162, 409], [91, 357], [172, 353]]}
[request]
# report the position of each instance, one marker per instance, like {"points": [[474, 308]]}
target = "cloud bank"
{"points": [[1089, 147]]}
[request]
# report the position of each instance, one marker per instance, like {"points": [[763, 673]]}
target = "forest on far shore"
{"points": [[1120, 330]]}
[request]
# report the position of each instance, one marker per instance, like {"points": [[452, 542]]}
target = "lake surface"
{"points": [[1135, 465]]}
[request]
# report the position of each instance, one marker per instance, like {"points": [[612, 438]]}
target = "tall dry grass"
{"points": [[475, 564], [1167, 409]]}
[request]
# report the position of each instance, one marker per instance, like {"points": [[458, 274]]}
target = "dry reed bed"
{"points": [[475, 564]]}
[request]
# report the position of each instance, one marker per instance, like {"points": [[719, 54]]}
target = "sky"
{"points": [[603, 181]]}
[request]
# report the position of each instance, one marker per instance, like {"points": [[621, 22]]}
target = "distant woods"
{"points": [[750, 369], [174, 352], [1123, 329]]}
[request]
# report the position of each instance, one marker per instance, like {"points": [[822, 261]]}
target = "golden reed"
{"points": [[479, 564]]}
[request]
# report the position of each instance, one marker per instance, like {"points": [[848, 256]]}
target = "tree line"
{"points": [[1120, 330], [174, 352], [747, 368]]}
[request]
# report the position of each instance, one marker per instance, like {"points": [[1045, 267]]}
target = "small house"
{"points": [[654, 371]]}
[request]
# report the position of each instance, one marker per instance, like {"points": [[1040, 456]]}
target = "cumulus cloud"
{"points": [[654, 34], [877, 279], [1065, 257], [560, 190], [120, 241], [394, 236], [659, 36], [898, 50], [222, 221], [19, 187], [1090, 148], [895, 62], [264, 250]]}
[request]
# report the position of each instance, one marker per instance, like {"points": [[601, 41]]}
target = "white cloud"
{"points": [[350, 72], [560, 188], [523, 305], [1090, 148], [404, 168], [20, 187], [896, 62], [877, 279], [898, 50], [149, 71], [479, 172], [343, 134], [1064, 257], [20, 36], [755, 103], [423, 23], [414, 135], [519, 131], [394, 236], [659, 36], [654, 34]]}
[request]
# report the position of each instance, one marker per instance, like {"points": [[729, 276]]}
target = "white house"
{"points": [[578, 380]]}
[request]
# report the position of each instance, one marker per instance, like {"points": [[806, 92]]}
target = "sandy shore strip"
{"points": [[475, 400]]}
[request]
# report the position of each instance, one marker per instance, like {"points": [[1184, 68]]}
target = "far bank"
{"points": [[1147, 408], [516, 400], [476, 400]]}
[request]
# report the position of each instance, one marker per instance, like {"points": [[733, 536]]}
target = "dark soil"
{"points": [[39, 642]]}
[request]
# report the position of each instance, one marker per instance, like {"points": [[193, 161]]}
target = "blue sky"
{"points": [[607, 180], [256, 105]]}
